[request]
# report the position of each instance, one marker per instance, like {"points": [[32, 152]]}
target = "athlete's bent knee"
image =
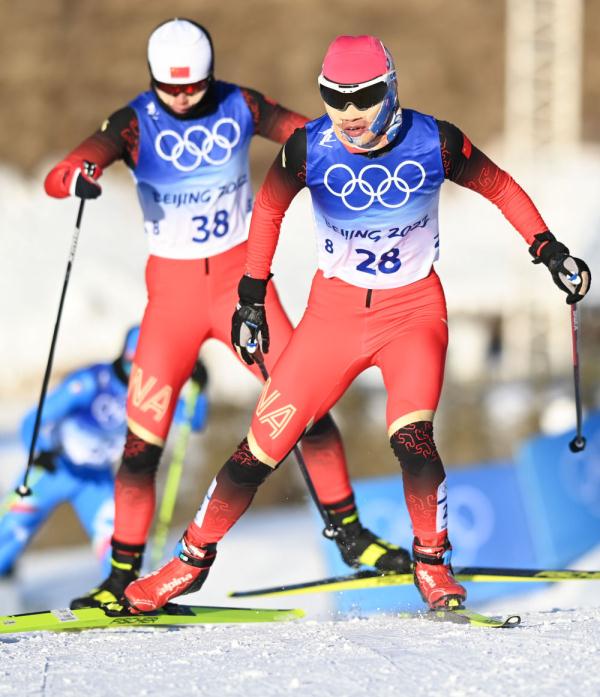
{"points": [[323, 427], [244, 469], [414, 446], [140, 458]]}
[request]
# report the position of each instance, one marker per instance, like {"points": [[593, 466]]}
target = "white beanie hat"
{"points": [[180, 52]]}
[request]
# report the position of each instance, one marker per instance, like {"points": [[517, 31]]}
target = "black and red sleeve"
{"points": [[271, 120], [116, 139], [285, 178], [466, 165]]}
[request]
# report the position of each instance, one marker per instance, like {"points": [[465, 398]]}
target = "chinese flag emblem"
{"points": [[180, 72]]}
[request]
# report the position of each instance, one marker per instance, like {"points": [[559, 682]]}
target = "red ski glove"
{"points": [[74, 178]]}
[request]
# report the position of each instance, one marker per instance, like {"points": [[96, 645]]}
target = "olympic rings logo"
{"points": [[201, 148], [371, 189]]}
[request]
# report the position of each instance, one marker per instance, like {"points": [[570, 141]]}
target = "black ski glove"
{"points": [[570, 274], [45, 459], [83, 184], [249, 329]]}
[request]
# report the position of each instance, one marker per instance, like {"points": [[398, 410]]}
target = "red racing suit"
{"points": [[192, 272], [373, 305]]}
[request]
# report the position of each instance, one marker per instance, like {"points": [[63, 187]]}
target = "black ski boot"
{"points": [[359, 546], [126, 562]]}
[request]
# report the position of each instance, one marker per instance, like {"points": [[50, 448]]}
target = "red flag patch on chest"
{"points": [[180, 72]]}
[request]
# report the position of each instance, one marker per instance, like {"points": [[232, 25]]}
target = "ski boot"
{"points": [[183, 574], [434, 578], [125, 568], [359, 546]]}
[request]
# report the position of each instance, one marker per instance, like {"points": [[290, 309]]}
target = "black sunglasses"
{"points": [[361, 99]]}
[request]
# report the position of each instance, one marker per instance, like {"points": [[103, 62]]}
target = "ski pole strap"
{"points": [[545, 246]]}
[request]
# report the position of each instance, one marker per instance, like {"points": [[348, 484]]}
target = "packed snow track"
{"points": [[552, 653]]}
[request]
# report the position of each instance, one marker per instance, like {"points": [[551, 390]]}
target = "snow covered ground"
{"points": [[556, 650], [555, 653]]}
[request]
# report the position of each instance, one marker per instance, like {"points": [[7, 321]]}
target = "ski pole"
{"points": [[167, 505], [329, 531], [578, 443], [23, 489]]}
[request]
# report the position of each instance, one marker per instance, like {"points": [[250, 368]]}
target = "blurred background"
{"points": [[520, 77]]}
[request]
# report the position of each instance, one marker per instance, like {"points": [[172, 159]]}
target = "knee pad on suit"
{"points": [[245, 469], [324, 426], [414, 446], [139, 456]]}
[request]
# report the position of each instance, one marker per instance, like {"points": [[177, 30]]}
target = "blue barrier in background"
{"points": [[542, 510], [562, 490]]}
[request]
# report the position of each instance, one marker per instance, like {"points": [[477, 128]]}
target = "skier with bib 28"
{"points": [[374, 171], [186, 142]]}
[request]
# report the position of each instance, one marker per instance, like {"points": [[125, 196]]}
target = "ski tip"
{"points": [[512, 621], [463, 615], [478, 620], [455, 606]]}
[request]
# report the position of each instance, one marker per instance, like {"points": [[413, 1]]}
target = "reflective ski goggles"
{"points": [[362, 96], [189, 89]]}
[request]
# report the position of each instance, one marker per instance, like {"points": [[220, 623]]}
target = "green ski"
{"points": [[376, 579], [463, 615], [169, 616]]}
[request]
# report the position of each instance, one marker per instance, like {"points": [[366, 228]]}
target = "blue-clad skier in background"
{"points": [[81, 436]]}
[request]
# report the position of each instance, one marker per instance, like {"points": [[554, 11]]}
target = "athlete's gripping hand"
{"points": [[83, 181], [46, 460], [570, 274], [74, 178], [249, 329]]}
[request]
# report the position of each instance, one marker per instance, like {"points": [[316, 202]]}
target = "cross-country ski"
{"points": [[107, 618], [373, 579]]}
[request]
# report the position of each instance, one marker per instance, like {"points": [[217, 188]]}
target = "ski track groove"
{"points": [[44, 676], [381, 655]]}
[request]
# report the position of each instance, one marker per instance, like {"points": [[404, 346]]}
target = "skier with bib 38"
{"points": [[186, 142], [374, 171]]}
